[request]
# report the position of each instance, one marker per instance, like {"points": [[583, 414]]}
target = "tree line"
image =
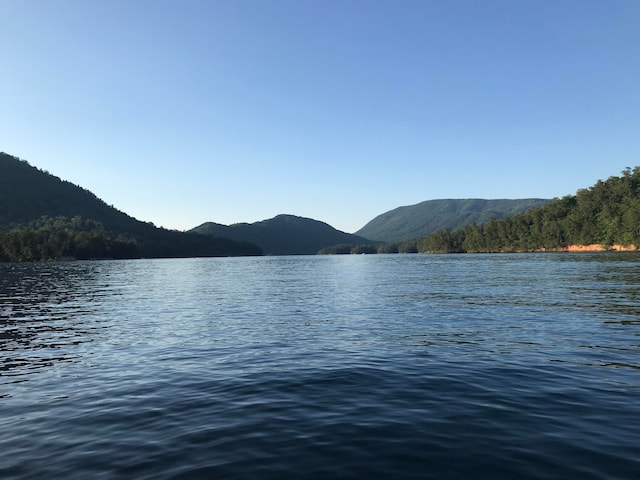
{"points": [[78, 238], [409, 246], [61, 237], [606, 214], [45, 218]]}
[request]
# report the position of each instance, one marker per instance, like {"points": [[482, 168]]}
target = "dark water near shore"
{"points": [[399, 366]]}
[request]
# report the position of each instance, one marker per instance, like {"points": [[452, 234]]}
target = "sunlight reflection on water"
{"points": [[403, 366]]}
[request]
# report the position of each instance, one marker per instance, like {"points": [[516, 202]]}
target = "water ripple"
{"points": [[494, 366]]}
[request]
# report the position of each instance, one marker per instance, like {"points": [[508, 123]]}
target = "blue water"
{"points": [[381, 366]]}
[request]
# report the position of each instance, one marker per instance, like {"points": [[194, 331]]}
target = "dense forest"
{"points": [[59, 238], [606, 214], [77, 238], [43, 217]]}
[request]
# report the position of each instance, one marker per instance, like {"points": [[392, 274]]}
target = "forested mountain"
{"points": [[414, 221], [606, 214], [283, 234], [43, 217]]}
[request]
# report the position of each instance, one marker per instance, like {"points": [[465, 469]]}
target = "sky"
{"points": [[180, 112]]}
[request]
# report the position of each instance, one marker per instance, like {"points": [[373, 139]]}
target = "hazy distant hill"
{"points": [[283, 234], [28, 194], [413, 221]]}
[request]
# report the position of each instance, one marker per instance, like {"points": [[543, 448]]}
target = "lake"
{"points": [[357, 366]]}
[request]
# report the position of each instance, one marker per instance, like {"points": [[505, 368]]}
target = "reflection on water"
{"points": [[392, 366]]}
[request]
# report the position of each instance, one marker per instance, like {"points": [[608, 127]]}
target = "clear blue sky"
{"points": [[180, 112]]}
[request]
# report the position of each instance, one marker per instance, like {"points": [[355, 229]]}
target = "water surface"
{"points": [[382, 366]]}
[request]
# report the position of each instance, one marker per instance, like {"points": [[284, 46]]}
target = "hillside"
{"points": [[605, 216], [413, 221], [283, 234], [42, 217]]}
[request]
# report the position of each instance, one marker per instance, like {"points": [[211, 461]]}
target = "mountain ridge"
{"points": [[43, 217], [39, 202], [284, 234], [423, 218], [603, 217]]}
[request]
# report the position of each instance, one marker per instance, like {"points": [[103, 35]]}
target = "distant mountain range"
{"points": [[288, 234], [44, 217], [283, 234], [415, 221]]}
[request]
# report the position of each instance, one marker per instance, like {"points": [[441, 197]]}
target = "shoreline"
{"points": [[594, 247]]}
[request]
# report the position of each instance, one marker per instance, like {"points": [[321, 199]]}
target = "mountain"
{"points": [[413, 221], [283, 234], [42, 217], [605, 216]]}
